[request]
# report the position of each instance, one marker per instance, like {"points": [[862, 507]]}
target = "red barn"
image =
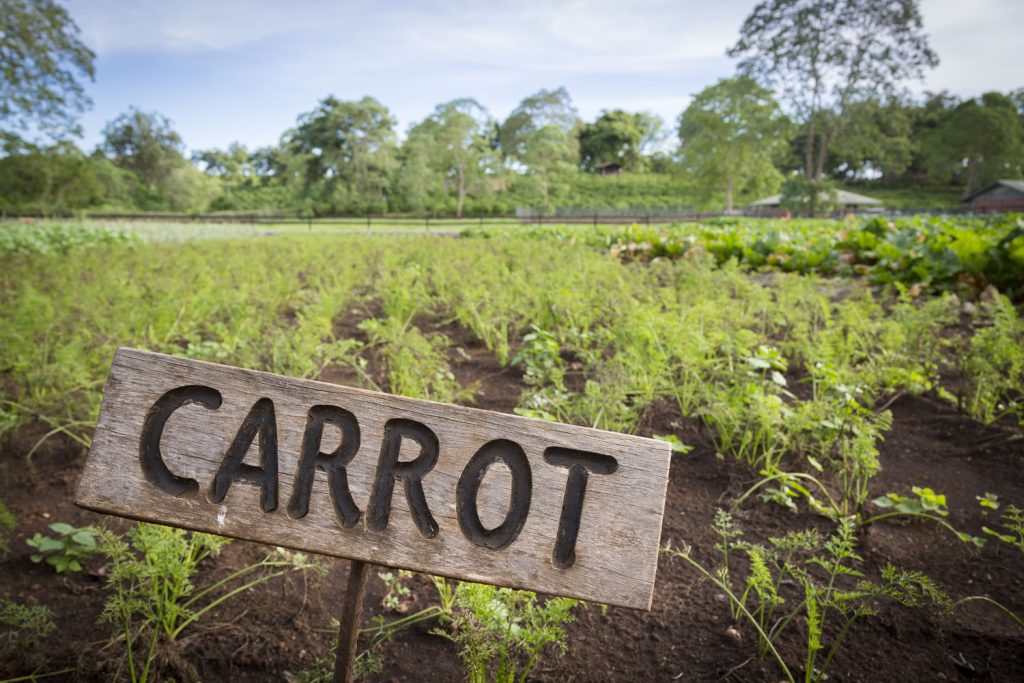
{"points": [[1002, 195]]}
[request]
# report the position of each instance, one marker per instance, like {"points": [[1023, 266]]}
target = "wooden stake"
{"points": [[348, 630]]}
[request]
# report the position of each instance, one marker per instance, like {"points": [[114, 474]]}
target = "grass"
{"points": [[913, 198]]}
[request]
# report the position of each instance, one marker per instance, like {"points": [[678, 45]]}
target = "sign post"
{"points": [[348, 622], [381, 479]]}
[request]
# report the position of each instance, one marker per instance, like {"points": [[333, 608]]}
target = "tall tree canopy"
{"points": [[145, 144], [449, 150], [232, 164], [976, 142], [617, 137], [827, 54], [876, 141], [544, 109], [731, 136], [349, 151], [43, 180], [41, 62]]}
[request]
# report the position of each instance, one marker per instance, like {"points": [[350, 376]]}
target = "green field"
{"points": [[71, 294], [786, 341]]}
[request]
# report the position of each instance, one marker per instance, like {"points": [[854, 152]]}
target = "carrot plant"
{"points": [[831, 592], [501, 633], [23, 626], [152, 599], [992, 365]]}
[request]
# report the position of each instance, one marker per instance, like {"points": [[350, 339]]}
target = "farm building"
{"points": [[1002, 195], [845, 201]]}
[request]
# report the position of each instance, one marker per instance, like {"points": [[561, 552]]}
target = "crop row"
{"points": [[932, 253]]}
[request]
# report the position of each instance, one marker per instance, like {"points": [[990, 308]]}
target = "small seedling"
{"points": [[397, 595], [677, 445], [990, 501], [7, 523], [64, 552], [927, 504], [1012, 524], [23, 627]]}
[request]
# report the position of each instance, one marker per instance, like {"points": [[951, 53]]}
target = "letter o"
{"points": [[466, 491]]}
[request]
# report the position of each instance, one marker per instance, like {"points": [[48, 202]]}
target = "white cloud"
{"points": [[606, 37], [576, 36], [979, 45], [112, 26]]}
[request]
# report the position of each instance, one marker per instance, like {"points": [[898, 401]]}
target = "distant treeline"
{"points": [[344, 157]]}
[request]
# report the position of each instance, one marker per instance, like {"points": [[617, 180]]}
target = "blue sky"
{"points": [[226, 70]]}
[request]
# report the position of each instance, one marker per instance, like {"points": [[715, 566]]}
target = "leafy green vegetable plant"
{"points": [[924, 504], [65, 551], [747, 412], [677, 445]]}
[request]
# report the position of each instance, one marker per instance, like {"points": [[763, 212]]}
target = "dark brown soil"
{"points": [[283, 627]]}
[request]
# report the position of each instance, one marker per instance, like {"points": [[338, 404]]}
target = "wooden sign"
{"points": [[402, 482]]}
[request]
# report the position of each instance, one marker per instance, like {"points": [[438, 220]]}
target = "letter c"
{"points": [[152, 461]]}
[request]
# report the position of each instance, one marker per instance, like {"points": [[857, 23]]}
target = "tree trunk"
{"points": [[730, 183], [462, 192], [972, 175], [809, 164], [819, 170]]}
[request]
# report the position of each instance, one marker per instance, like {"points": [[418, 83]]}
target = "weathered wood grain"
{"points": [[619, 523]]}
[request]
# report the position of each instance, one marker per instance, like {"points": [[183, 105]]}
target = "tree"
{"points": [[544, 109], [731, 136], [233, 164], [975, 143], [348, 150], [449, 149], [826, 54], [876, 140], [419, 182], [616, 137], [41, 62], [540, 140], [550, 157], [145, 144], [49, 179], [809, 197]]}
